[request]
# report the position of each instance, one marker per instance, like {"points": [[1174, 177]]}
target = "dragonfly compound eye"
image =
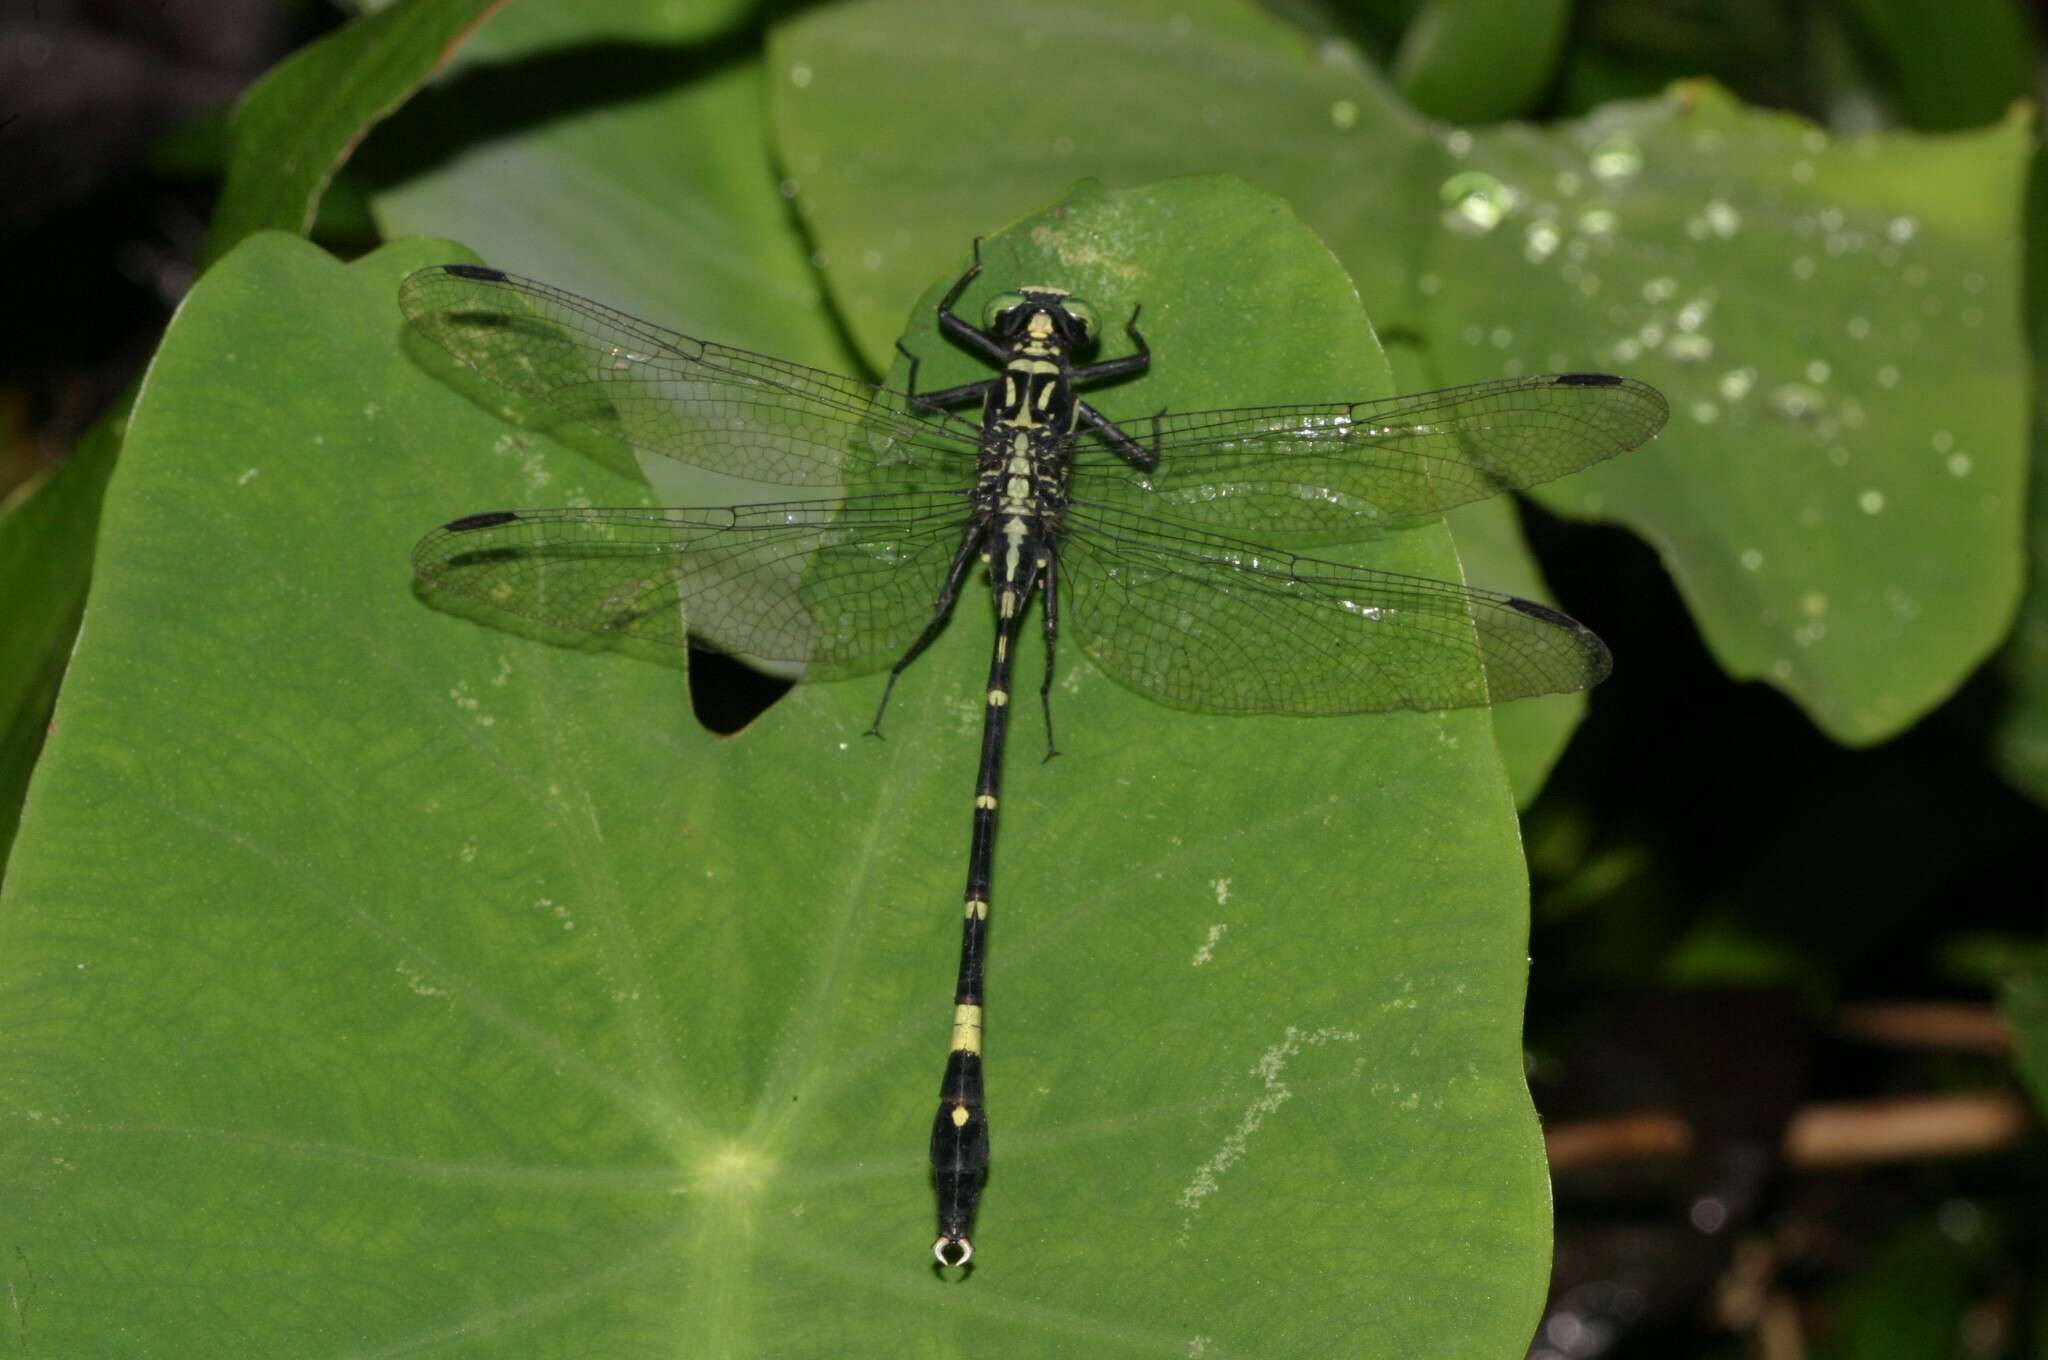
{"points": [[999, 309], [1085, 315]]}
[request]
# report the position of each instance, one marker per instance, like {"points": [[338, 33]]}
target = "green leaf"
{"points": [[1475, 61], [1909, 1300], [296, 126], [1958, 64], [46, 541], [1140, 91], [432, 989], [1839, 493], [594, 148], [2020, 743], [1867, 617]]}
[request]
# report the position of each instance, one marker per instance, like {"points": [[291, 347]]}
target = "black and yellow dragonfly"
{"points": [[1127, 531]]}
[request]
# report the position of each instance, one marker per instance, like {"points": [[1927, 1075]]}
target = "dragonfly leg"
{"points": [[1114, 436], [1128, 366], [955, 574], [962, 331], [910, 383], [945, 397]]}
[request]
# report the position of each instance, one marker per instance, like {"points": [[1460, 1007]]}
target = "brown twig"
{"points": [[1831, 1135], [1927, 1024], [1625, 1138], [1905, 1129]]}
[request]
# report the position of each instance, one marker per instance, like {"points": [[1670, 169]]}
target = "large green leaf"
{"points": [[1845, 528], [375, 982], [290, 134], [1840, 493]]}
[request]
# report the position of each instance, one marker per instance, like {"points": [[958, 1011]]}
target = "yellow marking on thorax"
{"points": [[966, 1031], [1014, 530], [1018, 469]]}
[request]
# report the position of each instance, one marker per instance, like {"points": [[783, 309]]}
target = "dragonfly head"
{"points": [[1040, 312]]}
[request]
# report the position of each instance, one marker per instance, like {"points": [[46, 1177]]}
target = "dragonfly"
{"points": [[1132, 536]]}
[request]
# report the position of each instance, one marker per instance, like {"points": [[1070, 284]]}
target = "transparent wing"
{"points": [[1340, 473], [704, 404], [843, 584], [1199, 621]]}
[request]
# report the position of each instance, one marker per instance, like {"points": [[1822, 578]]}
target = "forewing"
{"points": [[843, 585], [1343, 472], [701, 403], [1199, 621]]}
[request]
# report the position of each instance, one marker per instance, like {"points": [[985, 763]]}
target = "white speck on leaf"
{"points": [[1271, 1070], [416, 982]]}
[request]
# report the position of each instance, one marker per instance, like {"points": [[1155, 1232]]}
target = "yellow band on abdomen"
{"points": [[967, 1029]]}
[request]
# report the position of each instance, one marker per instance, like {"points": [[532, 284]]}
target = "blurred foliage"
{"points": [[776, 176], [1473, 61]]}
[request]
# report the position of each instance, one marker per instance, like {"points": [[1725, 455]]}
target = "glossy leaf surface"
{"points": [[438, 991]]}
